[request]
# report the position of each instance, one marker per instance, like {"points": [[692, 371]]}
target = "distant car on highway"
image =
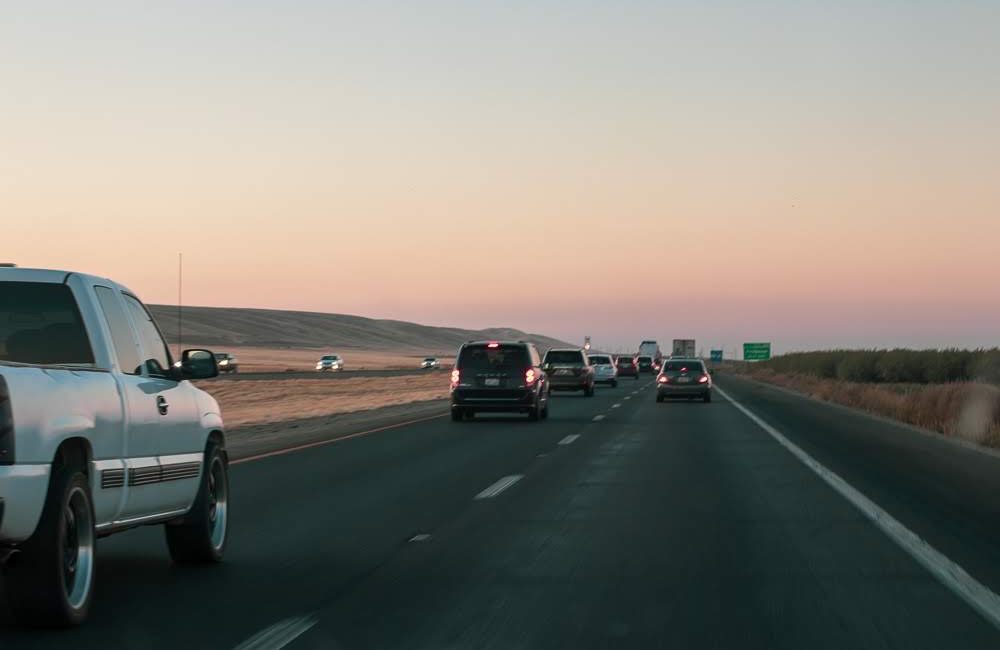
{"points": [[627, 366], [645, 364], [330, 363], [684, 378], [499, 376], [430, 363], [605, 371], [227, 362], [569, 369]]}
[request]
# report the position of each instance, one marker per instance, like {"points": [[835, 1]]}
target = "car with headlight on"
{"points": [[569, 369], [627, 366], [330, 363], [605, 371], [430, 363], [499, 377], [227, 362], [687, 378]]}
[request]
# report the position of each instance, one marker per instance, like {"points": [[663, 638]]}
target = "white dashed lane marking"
{"points": [[570, 439], [499, 486], [278, 635]]}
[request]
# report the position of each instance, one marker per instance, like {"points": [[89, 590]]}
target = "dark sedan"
{"points": [[627, 367]]}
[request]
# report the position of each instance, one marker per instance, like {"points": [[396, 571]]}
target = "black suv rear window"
{"points": [[501, 357], [40, 323], [680, 366], [645, 359], [564, 356]]}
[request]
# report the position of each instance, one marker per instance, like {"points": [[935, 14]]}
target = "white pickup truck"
{"points": [[100, 431]]}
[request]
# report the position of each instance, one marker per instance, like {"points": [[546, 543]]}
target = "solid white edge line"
{"points": [[950, 574], [570, 439], [598, 418], [279, 635], [499, 486]]}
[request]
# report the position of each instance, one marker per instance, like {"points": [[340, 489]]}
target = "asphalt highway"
{"points": [[617, 523]]}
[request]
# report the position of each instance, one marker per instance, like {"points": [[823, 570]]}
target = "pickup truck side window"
{"points": [[122, 337], [40, 323], [154, 349]]}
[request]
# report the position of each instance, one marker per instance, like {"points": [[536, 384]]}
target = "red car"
{"points": [[627, 367]]}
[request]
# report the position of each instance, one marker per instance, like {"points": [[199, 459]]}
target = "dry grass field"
{"points": [[967, 410], [263, 359], [283, 400]]}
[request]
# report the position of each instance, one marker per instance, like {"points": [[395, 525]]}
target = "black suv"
{"points": [[499, 376], [645, 364]]}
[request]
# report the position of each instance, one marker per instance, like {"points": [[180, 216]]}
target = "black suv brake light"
{"points": [[6, 426]]}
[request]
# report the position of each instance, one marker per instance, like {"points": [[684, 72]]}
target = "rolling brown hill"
{"points": [[300, 329]]}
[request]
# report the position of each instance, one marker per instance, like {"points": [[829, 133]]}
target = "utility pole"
{"points": [[180, 297]]}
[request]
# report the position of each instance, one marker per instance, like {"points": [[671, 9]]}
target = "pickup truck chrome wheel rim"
{"points": [[218, 502], [78, 548]]}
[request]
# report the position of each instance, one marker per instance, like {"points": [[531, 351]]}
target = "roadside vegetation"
{"points": [[246, 403], [953, 392], [896, 366]]}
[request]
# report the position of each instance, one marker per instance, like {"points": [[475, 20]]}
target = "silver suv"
{"points": [[605, 370]]}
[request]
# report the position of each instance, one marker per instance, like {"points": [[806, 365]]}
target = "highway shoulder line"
{"points": [[950, 574], [330, 441], [499, 486], [929, 433]]}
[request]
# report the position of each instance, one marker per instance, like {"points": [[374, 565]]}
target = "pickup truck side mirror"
{"points": [[198, 364]]}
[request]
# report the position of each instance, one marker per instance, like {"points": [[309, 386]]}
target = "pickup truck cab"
{"points": [[100, 432]]}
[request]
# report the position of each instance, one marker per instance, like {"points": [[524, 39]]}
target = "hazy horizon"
{"points": [[814, 176]]}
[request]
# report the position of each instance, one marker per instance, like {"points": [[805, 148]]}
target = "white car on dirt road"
{"points": [[99, 432], [330, 363]]}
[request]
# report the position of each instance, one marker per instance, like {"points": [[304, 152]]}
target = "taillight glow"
{"points": [[703, 379], [530, 376], [492, 344], [455, 376], [663, 379]]}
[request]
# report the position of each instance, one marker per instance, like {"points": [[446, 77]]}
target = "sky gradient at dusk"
{"points": [[813, 175]]}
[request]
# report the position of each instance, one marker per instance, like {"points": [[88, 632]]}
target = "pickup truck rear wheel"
{"points": [[200, 536], [52, 579]]}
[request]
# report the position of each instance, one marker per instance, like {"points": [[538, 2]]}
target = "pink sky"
{"points": [[811, 178]]}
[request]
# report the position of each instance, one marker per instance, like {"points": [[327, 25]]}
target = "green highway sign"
{"points": [[716, 356], [756, 351]]}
